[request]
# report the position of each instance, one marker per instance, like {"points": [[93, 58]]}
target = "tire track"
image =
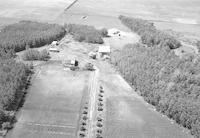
{"points": [[92, 103]]}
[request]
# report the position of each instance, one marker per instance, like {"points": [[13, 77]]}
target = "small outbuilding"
{"points": [[54, 43], [104, 51]]}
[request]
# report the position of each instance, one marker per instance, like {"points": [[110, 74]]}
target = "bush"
{"points": [[104, 32], [7, 125], [33, 54], [149, 34], [84, 33], [32, 34]]}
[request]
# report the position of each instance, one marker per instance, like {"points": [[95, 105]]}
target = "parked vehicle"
{"points": [[72, 64]]}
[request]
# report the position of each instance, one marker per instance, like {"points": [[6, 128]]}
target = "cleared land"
{"points": [[54, 102], [52, 105]]}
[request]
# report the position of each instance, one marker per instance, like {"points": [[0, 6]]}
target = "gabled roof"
{"points": [[104, 49]]}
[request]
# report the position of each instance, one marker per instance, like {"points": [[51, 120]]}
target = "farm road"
{"points": [[52, 105]]}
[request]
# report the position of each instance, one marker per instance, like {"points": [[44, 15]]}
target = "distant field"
{"points": [[44, 10], [102, 13]]}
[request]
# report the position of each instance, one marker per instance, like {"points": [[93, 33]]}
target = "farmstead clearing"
{"points": [[67, 99], [60, 102]]}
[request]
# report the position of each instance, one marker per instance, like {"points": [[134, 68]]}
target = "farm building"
{"points": [[54, 43], [104, 51]]}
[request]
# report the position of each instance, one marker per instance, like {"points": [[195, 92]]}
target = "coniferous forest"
{"points": [[170, 83]]}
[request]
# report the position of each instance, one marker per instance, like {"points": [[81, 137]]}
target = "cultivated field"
{"points": [[53, 104]]}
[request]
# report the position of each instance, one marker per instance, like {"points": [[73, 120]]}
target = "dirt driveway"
{"points": [[52, 105]]}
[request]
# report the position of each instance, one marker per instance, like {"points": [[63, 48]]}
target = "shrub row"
{"points": [[85, 33], [149, 34], [169, 83], [33, 54], [17, 36]]}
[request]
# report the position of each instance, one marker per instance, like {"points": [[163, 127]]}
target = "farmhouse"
{"points": [[104, 51]]}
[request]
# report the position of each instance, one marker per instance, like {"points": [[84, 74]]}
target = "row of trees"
{"points": [[149, 34], [85, 33], [17, 36], [169, 83], [13, 78]]}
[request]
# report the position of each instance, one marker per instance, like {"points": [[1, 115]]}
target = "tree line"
{"points": [[149, 34], [170, 83]]}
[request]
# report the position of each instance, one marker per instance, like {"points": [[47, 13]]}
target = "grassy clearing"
{"points": [[85, 33]]}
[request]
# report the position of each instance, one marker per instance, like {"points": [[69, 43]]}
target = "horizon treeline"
{"points": [[170, 83]]}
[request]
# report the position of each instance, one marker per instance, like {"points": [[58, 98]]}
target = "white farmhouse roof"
{"points": [[54, 42], [104, 49]]}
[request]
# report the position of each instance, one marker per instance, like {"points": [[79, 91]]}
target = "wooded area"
{"points": [[149, 34], [85, 33], [32, 34], [169, 83]]}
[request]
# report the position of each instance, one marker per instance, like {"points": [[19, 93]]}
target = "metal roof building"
{"points": [[104, 49]]}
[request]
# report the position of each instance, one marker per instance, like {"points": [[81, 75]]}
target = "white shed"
{"points": [[104, 50], [54, 43]]}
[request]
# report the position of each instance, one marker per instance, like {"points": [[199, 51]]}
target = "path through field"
{"points": [[52, 105]]}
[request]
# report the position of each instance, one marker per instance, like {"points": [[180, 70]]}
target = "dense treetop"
{"points": [[85, 33], [17, 36]]}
